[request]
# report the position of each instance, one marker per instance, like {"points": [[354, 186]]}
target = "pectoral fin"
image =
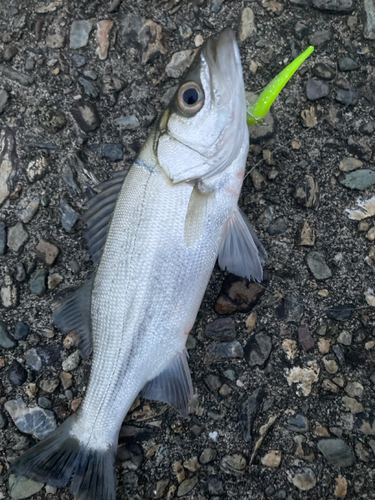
{"points": [[241, 252], [200, 205], [173, 385]]}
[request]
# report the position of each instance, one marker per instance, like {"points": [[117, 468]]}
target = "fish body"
{"points": [[174, 213]]}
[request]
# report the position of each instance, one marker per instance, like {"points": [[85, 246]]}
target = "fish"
{"points": [[154, 234]]}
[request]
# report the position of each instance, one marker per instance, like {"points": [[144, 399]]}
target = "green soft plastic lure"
{"points": [[257, 111]]}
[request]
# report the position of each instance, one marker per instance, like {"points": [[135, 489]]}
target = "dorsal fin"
{"points": [[173, 385], [241, 252], [99, 212]]}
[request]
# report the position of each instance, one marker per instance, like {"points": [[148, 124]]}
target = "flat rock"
{"points": [[127, 122], [79, 34], [55, 40], [320, 37], [304, 480], [349, 164], [334, 6], [27, 213], [6, 341], [186, 486], [86, 115], [258, 349], [21, 487], [336, 452], [17, 374], [179, 63], [290, 310], [222, 329], [35, 421], [207, 456], [110, 151], [347, 64], [37, 168], [305, 338], [248, 412], [223, 351], [247, 24], [341, 312], [47, 252], [38, 282], [318, 266], [323, 71], [21, 331], [17, 237], [8, 162], [235, 465], [347, 97], [88, 87], [238, 295], [305, 235], [9, 293], [68, 216], [17, 76], [369, 21], [316, 89], [360, 179], [71, 362], [297, 423]]}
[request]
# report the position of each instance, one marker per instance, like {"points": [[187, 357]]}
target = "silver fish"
{"points": [[155, 234]]}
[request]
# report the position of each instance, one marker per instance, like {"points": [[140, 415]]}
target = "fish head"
{"points": [[204, 127]]}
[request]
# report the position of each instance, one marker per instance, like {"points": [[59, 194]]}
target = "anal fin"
{"points": [[74, 314], [241, 252], [173, 385]]}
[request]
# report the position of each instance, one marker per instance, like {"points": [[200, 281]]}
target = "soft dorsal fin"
{"points": [[99, 213], [199, 207], [241, 252], [173, 385], [73, 313]]}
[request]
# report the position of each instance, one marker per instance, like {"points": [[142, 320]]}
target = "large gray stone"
{"points": [[35, 421], [336, 452], [79, 34]]}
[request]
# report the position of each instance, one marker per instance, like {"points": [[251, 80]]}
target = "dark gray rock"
{"points": [[305, 338], [318, 266], [17, 76], [131, 453], [17, 237], [29, 64], [17, 374], [334, 6], [216, 5], [367, 128], [67, 215], [347, 64], [290, 310], [336, 452], [35, 421], [301, 30], [86, 115], [278, 227], [113, 152], [248, 412], [38, 282], [213, 382], [320, 37], [297, 423], [78, 60], [215, 485], [6, 341], [127, 122], [316, 89], [21, 331], [323, 71], [21, 487], [223, 351], [44, 403], [258, 349], [340, 313], [9, 52], [369, 20], [88, 87], [359, 179], [20, 272], [222, 329], [347, 97], [339, 354], [42, 356], [3, 238], [4, 96]]}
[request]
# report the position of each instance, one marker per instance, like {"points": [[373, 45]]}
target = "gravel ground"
{"points": [[285, 380]]}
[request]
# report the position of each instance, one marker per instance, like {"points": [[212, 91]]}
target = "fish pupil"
{"points": [[190, 96]]}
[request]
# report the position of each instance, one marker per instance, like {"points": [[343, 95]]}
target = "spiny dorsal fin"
{"points": [[241, 252], [99, 213], [73, 313], [173, 385]]}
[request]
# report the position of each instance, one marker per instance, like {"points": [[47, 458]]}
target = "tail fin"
{"points": [[61, 457]]}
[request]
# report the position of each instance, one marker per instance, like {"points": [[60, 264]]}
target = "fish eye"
{"points": [[190, 98]]}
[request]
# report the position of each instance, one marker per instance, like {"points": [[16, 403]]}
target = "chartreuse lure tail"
{"points": [[258, 110]]}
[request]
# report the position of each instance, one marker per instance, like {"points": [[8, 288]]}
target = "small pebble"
{"points": [[352, 404], [344, 338], [330, 365], [21, 331], [71, 362], [354, 389], [272, 459], [38, 282]]}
